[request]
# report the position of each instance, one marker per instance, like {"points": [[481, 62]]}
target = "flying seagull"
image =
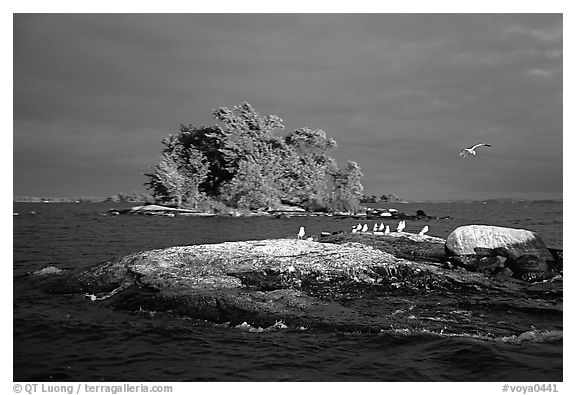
{"points": [[470, 150]]}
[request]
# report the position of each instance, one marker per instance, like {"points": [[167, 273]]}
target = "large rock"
{"points": [[299, 282], [354, 283], [524, 251], [513, 243]]}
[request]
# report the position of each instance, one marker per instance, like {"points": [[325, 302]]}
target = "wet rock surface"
{"points": [[358, 282]]}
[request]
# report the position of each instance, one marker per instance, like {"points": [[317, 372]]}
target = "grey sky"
{"points": [[94, 95]]}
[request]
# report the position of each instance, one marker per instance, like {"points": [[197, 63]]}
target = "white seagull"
{"points": [[470, 150], [401, 226], [354, 230], [365, 228], [375, 228], [387, 230], [381, 228], [424, 230], [301, 233]]}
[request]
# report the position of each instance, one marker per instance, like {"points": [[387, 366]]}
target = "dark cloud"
{"points": [[94, 94]]}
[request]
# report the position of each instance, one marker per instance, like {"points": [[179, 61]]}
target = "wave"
{"points": [[48, 270], [531, 336]]}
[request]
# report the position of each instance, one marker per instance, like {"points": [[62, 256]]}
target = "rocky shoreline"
{"points": [[313, 284], [278, 212]]}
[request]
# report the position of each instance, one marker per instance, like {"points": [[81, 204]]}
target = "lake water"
{"points": [[67, 338]]}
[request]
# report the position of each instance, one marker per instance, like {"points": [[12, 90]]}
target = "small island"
{"points": [[326, 284], [246, 164]]}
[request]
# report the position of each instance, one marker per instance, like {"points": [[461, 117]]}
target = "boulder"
{"points": [[509, 242], [483, 247]]}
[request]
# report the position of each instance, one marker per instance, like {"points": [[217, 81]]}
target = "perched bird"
{"points": [[381, 228], [424, 230], [375, 228], [365, 228], [401, 226], [91, 296], [470, 150], [301, 233], [359, 228], [387, 230], [354, 230]]}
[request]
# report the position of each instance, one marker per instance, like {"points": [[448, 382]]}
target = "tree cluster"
{"points": [[386, 198], [245, 163]]}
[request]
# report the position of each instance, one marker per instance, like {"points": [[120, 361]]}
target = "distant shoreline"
{"points": [[114, 199], [89, 199]]}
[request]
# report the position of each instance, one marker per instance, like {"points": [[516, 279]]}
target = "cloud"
{"points": [[398, 92], [546, 34], [543, 72]]}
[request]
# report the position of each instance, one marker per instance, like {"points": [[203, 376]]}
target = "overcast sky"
{"points": [[402, 94]]}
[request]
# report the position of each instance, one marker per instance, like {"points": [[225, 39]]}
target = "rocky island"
{"points": [[345, 282]]}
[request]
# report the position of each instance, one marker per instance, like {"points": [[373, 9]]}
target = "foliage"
{"points": [[133, 197], [246, 164], [180, 173], [311, 174], [348, 189], [380, 199]]}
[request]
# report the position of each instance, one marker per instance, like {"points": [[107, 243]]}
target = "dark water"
{"points": [[67, 338]]}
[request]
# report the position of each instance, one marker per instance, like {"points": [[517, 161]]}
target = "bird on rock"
{"points": [[301, 233], [401, 226], [423, 231], [387, 230], [365, 228]]}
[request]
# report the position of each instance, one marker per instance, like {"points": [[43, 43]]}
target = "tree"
{"points": [[173, 181], [258, 158], [348, 189], [246, 134], [244, 162], [310, 175], [179, 174], [207, 141], [249, 189]]}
